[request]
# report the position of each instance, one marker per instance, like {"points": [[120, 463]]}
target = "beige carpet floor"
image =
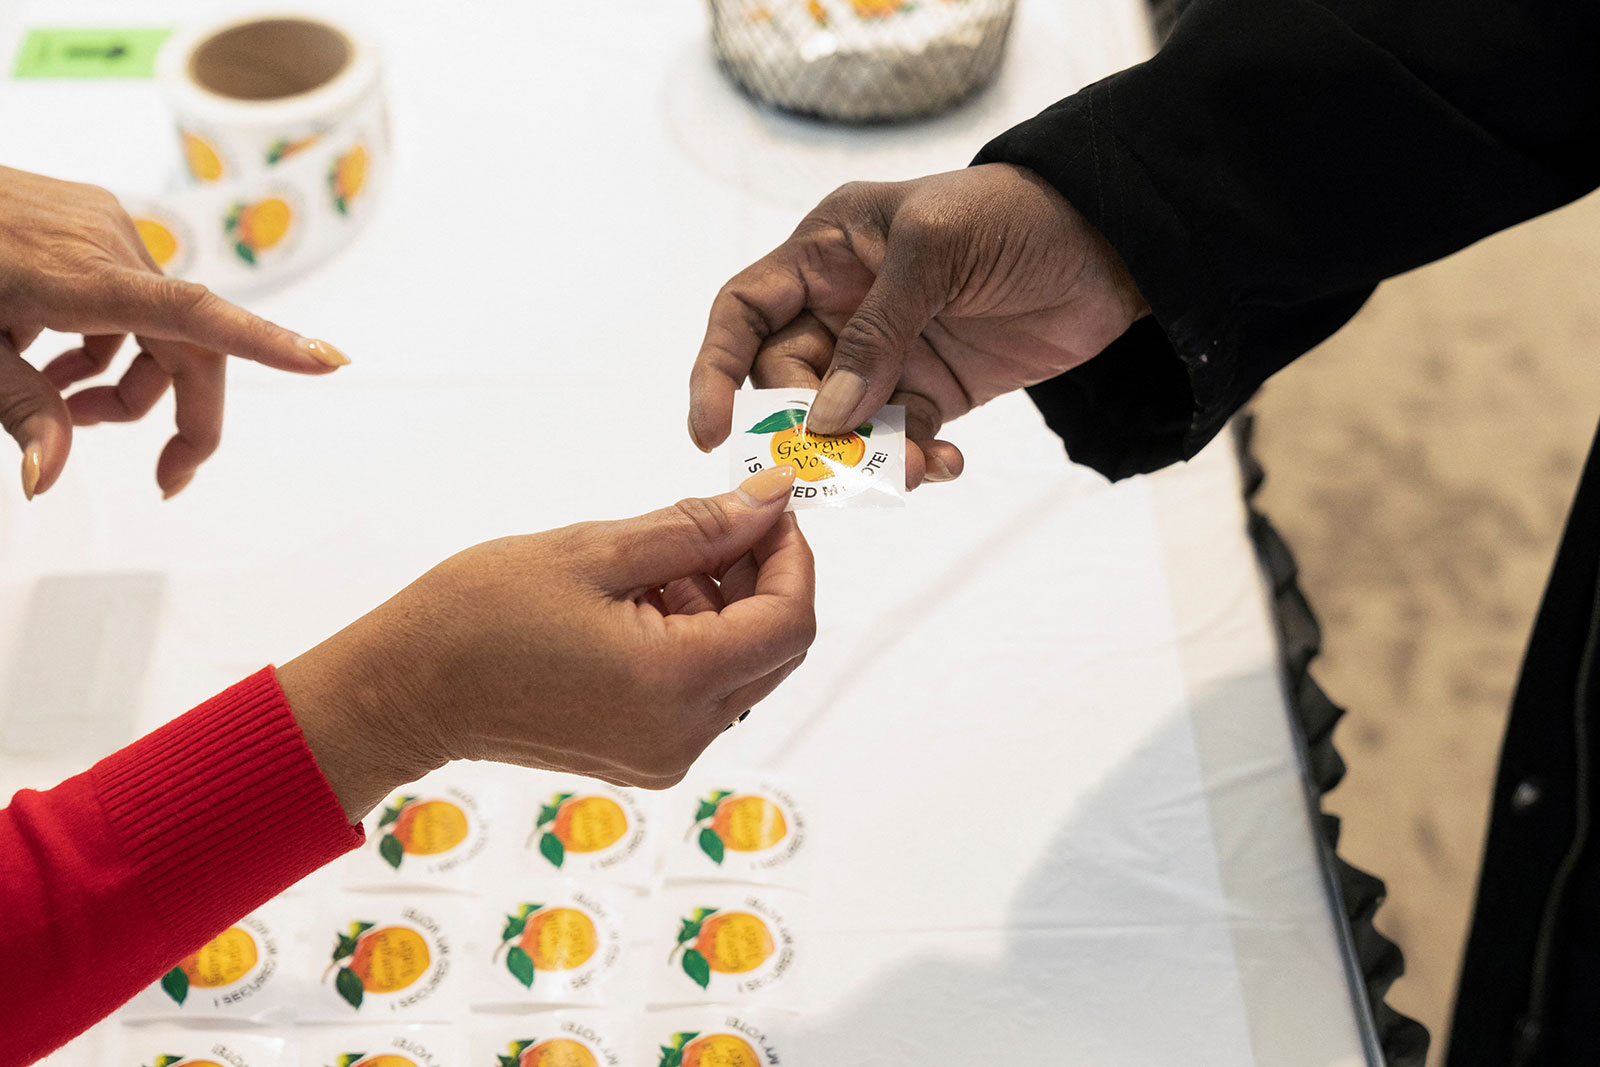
{"points": [[1420, 464]]}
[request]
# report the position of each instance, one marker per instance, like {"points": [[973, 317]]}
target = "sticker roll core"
{"points": [[283, 145], [270, 59]]}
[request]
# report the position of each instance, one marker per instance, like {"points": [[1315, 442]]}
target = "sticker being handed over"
{"points": [[863, 468]]}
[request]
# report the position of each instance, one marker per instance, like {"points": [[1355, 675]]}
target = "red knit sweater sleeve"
{"points": [[110, 878]]}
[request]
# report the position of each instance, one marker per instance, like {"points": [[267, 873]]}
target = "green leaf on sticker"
{"points": [[711, 845], [167, 1060], [357, 929], [702, 914], [515, 924], [389, 816], [696, 966], [708, 806], [519, 1047], [339, 203], [787, 419], [670, 1057], [688, 931], [176, 984], [392, 851], [348, 983], [520, 964], [345, 947], [548, 812], [351, 1057], [865, 429], [510, 1061], [552, 849], [682, 1039], [246, 253]]}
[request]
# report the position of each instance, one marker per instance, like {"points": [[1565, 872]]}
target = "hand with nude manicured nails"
{"points": [[940, 293], [618, 650], [71, 260]]}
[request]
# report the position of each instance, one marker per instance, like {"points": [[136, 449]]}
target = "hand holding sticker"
{"points": [[940, 293]]}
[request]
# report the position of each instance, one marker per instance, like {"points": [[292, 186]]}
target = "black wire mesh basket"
{"points": [[861, 60]]}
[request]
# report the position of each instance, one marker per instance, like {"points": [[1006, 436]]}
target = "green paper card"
{"points": [[89, 52]]}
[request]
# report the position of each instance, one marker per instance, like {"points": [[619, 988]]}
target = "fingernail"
{"points": [[841, 393], [175, 490], [323, 352], [937, 470], [745, 714], [694, 436], [763, 487], [31, 459]]}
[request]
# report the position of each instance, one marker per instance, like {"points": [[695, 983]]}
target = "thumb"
{"points": [[701, 535], [871, 347], [32, 411]]}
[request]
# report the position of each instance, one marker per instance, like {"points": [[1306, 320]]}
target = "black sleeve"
{"points": [[1275, 161]]}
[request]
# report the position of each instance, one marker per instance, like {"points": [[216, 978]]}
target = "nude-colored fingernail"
{"points": [[694, 436], [763, 487], [32, 458], [936, 469], [841, 393], [323, 352], [175, 490]]}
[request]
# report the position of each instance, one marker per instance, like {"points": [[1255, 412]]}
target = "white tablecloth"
{"points": [[1061, 694]]}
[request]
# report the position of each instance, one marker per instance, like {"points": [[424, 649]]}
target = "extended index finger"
{"points": [[170, 309], [755, 304]]}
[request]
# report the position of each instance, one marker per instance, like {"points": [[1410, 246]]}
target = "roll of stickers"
{"points": [[283, 129]]}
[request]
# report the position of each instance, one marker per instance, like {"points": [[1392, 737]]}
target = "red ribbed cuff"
{"points": [[222, 809]]}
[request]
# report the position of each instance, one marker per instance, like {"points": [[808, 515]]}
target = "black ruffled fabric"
{"points": [[1404, 1041]]}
